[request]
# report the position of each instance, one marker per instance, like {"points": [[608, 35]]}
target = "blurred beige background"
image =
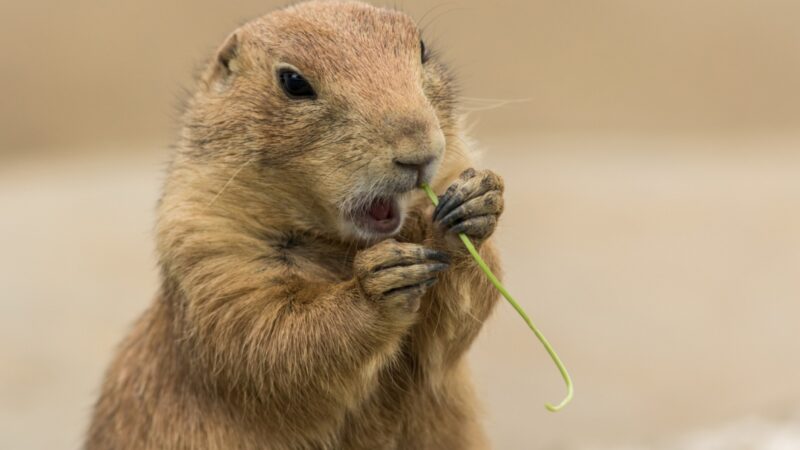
{"points": [[652, 157]]}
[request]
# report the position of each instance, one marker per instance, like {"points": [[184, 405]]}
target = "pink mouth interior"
{"points": [[382, 216], [381, 210]]}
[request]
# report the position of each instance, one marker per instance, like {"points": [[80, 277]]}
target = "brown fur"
{"points": [[280, 325]]}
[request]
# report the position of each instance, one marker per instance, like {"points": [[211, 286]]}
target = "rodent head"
{"points": [[339, 100]]}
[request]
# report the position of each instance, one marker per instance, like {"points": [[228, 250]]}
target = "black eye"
{"points": [[295, 85], [423, 52]]}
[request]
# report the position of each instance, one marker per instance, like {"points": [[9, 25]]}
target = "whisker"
{"points": [[230, 180], [484, 104], [430, 10], [442, 14]]}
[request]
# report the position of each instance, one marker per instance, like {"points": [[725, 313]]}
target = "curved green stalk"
{"points": [[491, 276]]}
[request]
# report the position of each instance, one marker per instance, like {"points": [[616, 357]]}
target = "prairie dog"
{"points": [[311, 298]]}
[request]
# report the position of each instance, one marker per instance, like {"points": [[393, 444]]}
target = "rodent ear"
{"points": [[226, 55], [226, 63]]}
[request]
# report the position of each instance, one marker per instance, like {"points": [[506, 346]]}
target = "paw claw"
{"points": [[395, 274], [437, 255]]}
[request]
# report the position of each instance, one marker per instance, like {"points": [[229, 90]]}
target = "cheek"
{"points": [[345, 176], [330, 179]]}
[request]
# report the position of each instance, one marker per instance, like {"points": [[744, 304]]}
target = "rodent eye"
{"points": [[294, 85], [423, 51]]}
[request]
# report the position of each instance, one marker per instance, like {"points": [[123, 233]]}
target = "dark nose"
{"points": [[417, 164]]}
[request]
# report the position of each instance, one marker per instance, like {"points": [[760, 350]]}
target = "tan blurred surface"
{"points": [[90, 71], [652, 226]]}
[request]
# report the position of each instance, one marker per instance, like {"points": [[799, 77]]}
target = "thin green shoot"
{"points": [[499, 286]]}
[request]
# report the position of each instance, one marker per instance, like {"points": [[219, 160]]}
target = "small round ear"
{"points": [[226, 55], [226, 63]]}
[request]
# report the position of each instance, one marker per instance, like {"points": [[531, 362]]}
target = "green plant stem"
{"points": [[497, 284]]}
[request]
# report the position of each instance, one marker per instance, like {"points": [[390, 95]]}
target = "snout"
{"points": [[419, 166], [420, 155], [377, 209]]}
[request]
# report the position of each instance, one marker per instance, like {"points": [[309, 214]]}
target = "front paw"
{"points": [[471, 205], [396, 275]]}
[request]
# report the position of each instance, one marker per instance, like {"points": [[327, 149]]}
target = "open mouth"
{"points": [[382, 216]]}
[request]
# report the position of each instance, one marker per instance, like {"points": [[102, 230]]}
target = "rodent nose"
{"points": [[416, 163]]}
